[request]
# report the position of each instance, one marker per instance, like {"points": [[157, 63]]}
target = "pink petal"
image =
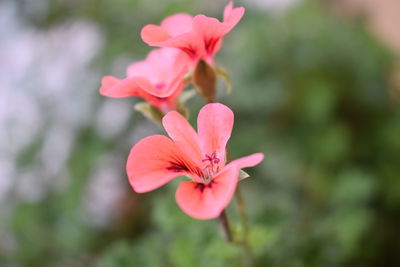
{"points": [[154, 161], [134, 86], [182, 62], [233, 15], [183, 135], [145, 85], [158, 61], [188, 42], [215, 123], [216, 48], [248, 161], [131, 86], [228, 10], [139, 68], [175, 31], [113, 87], [168, 104], [211, 30], [175, 87], [165, 104], [164, 68], [177, 24], [207, 26], [208, 201], [153, 34], [169, 66]]}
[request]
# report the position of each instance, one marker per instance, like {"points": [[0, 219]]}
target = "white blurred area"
{"points": [[47, 90]]}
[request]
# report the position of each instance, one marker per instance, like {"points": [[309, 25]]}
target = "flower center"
{"points": [[212, 168]]}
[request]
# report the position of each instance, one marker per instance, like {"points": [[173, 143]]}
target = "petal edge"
{"points": [[153, 162], [207, 202]]}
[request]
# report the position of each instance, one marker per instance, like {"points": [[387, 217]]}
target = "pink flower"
{"points": [[199, 36], [157, 159], [158, 79]]}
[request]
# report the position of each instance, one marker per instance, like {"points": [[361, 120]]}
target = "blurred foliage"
{"points": [[310, 90]]}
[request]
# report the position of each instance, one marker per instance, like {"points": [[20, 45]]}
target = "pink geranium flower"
{"points": [[158, 79], [157, 159], [199, 36]]}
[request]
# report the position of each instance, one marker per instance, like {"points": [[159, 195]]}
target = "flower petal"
{"points": [[248, 161], [159, 64], [209, 27], [233, 15], [214, 124], [183, 135], [177, 73], [208, 201], [153, 162], [211, 30], [164, 68], [177, 24], [189, 42], [113, 87], [175, 31], [153, 33], [140, 68]]}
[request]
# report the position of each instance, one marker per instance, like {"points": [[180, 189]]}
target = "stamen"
{"points": [[212, 168]]}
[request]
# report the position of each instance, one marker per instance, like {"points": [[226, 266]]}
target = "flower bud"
{"points": [[204, 79]]}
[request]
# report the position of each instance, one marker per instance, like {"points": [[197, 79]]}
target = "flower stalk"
{"points": [[244, 242], [223, 218]]}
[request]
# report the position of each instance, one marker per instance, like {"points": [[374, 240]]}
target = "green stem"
{"points": [[244, 242], [225, 225], [242, 211]]}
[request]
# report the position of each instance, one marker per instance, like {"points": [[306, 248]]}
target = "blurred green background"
{"points": [[312, 90]]}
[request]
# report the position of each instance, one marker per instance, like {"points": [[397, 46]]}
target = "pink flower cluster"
{"points": [[184, 40], [200, 156]]}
